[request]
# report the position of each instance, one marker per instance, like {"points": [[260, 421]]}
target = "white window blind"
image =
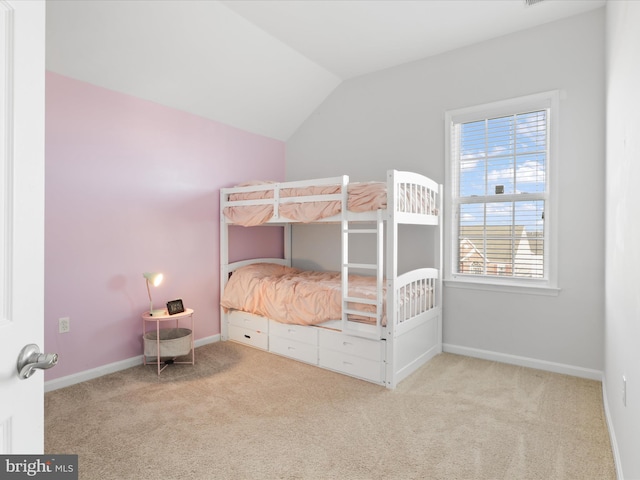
{"points": [[499, 195]]}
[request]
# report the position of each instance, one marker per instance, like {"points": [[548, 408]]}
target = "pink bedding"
{"points": [[362, 197], [289, 295]]}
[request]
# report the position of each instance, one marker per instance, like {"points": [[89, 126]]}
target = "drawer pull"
{"points": [[247, 336], [347, 363], [290, 348], [346, 343]]}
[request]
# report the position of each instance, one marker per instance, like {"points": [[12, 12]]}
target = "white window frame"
{"points": [[549, 284]]}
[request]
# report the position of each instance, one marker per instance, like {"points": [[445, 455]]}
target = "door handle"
{"points": [[31, 359]]}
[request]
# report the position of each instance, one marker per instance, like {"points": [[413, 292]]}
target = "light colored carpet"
{"points": [[240, 413]]}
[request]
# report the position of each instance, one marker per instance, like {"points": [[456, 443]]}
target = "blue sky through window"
{"points": [[503, 156]]}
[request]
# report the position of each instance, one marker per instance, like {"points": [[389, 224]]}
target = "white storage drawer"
{"points": [[360, 347], [249, 337], [352, 365], [304, 352], [299, 333], [249, 321]]}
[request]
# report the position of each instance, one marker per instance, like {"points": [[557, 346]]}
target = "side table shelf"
{"points": [[160, 319]]}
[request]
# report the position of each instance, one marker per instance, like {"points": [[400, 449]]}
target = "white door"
{"points": [[22, 69]]}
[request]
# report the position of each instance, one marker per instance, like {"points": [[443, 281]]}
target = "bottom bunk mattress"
{"points": [[293, 296]]}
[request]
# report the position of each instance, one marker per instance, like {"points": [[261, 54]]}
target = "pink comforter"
{"points": [[293, 296], [362, 197]]}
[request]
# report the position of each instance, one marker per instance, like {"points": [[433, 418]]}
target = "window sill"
{"points": [[504, 288]]}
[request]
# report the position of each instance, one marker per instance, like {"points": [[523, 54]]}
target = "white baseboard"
{"points": [[524, 362], [612, 434], [207, 340], [110, 368]]}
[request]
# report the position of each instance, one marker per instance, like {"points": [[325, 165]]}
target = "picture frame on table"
{"points": [[175, 306]]}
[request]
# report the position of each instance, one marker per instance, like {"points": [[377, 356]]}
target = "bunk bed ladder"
{"points": [[353, 304]]}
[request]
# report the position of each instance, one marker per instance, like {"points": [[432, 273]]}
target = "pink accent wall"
{"points": [[133, 186]]}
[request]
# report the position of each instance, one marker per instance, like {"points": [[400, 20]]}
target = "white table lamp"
{"points": [[155, 279]]}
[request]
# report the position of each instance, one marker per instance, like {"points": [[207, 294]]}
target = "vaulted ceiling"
{"points": [[265, 65]]}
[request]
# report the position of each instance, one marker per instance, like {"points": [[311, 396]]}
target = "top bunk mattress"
{"points": [[408, 196], [362, 197]]}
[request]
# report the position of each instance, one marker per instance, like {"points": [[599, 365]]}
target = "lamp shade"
{"points": [[154, 279]]}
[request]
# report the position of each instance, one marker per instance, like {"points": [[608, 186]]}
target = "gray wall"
{"points": [[622, 300], [395, 119]]}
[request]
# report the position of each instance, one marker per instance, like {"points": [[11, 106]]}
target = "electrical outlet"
{"points": [[64, 324], [624, 390]]}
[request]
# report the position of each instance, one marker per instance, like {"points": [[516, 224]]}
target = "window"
{"points": [[499, 201]]}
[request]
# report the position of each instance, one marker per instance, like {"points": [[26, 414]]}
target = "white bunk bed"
{"points": [[381, 337]]}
